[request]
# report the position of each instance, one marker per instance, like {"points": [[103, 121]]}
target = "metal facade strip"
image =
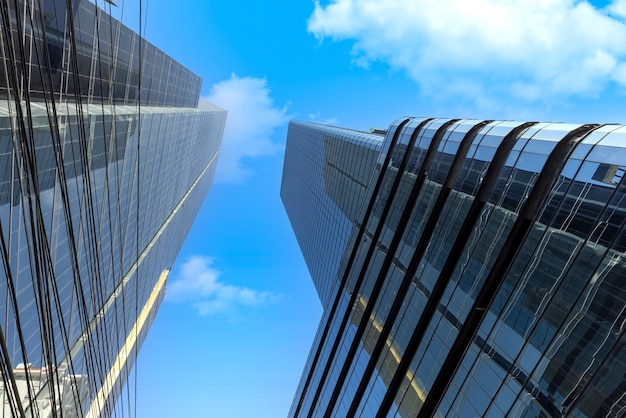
{"points": [[419, 251], [388, 258], [547, 178], [370, 251], [482, 195], [393, 134]]}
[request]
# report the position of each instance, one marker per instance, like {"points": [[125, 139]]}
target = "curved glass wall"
{"points": [[497, 279]]}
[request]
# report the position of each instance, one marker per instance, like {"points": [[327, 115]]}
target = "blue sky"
{"points": [[234, 331]]}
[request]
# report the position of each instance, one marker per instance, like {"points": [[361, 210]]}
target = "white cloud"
{"points": [[252, 118], [531, 50], [198, 284], [617, 8]]}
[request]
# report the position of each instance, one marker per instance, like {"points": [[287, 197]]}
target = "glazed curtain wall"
{"points": [[485, 279]]}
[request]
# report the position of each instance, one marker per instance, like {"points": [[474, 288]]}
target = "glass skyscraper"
{"points": [[466, 268], [106, 154]]}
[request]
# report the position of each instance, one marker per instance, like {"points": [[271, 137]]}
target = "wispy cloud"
{"points": [[252, 118], [198, 284], [487, 49], [317, 117]]}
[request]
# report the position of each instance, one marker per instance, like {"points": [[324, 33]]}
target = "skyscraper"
{"points": [[106, 153], [466, 268]]}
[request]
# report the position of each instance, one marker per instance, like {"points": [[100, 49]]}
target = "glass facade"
{"points": [[106, 154], [482, 276], [334, 166]]}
